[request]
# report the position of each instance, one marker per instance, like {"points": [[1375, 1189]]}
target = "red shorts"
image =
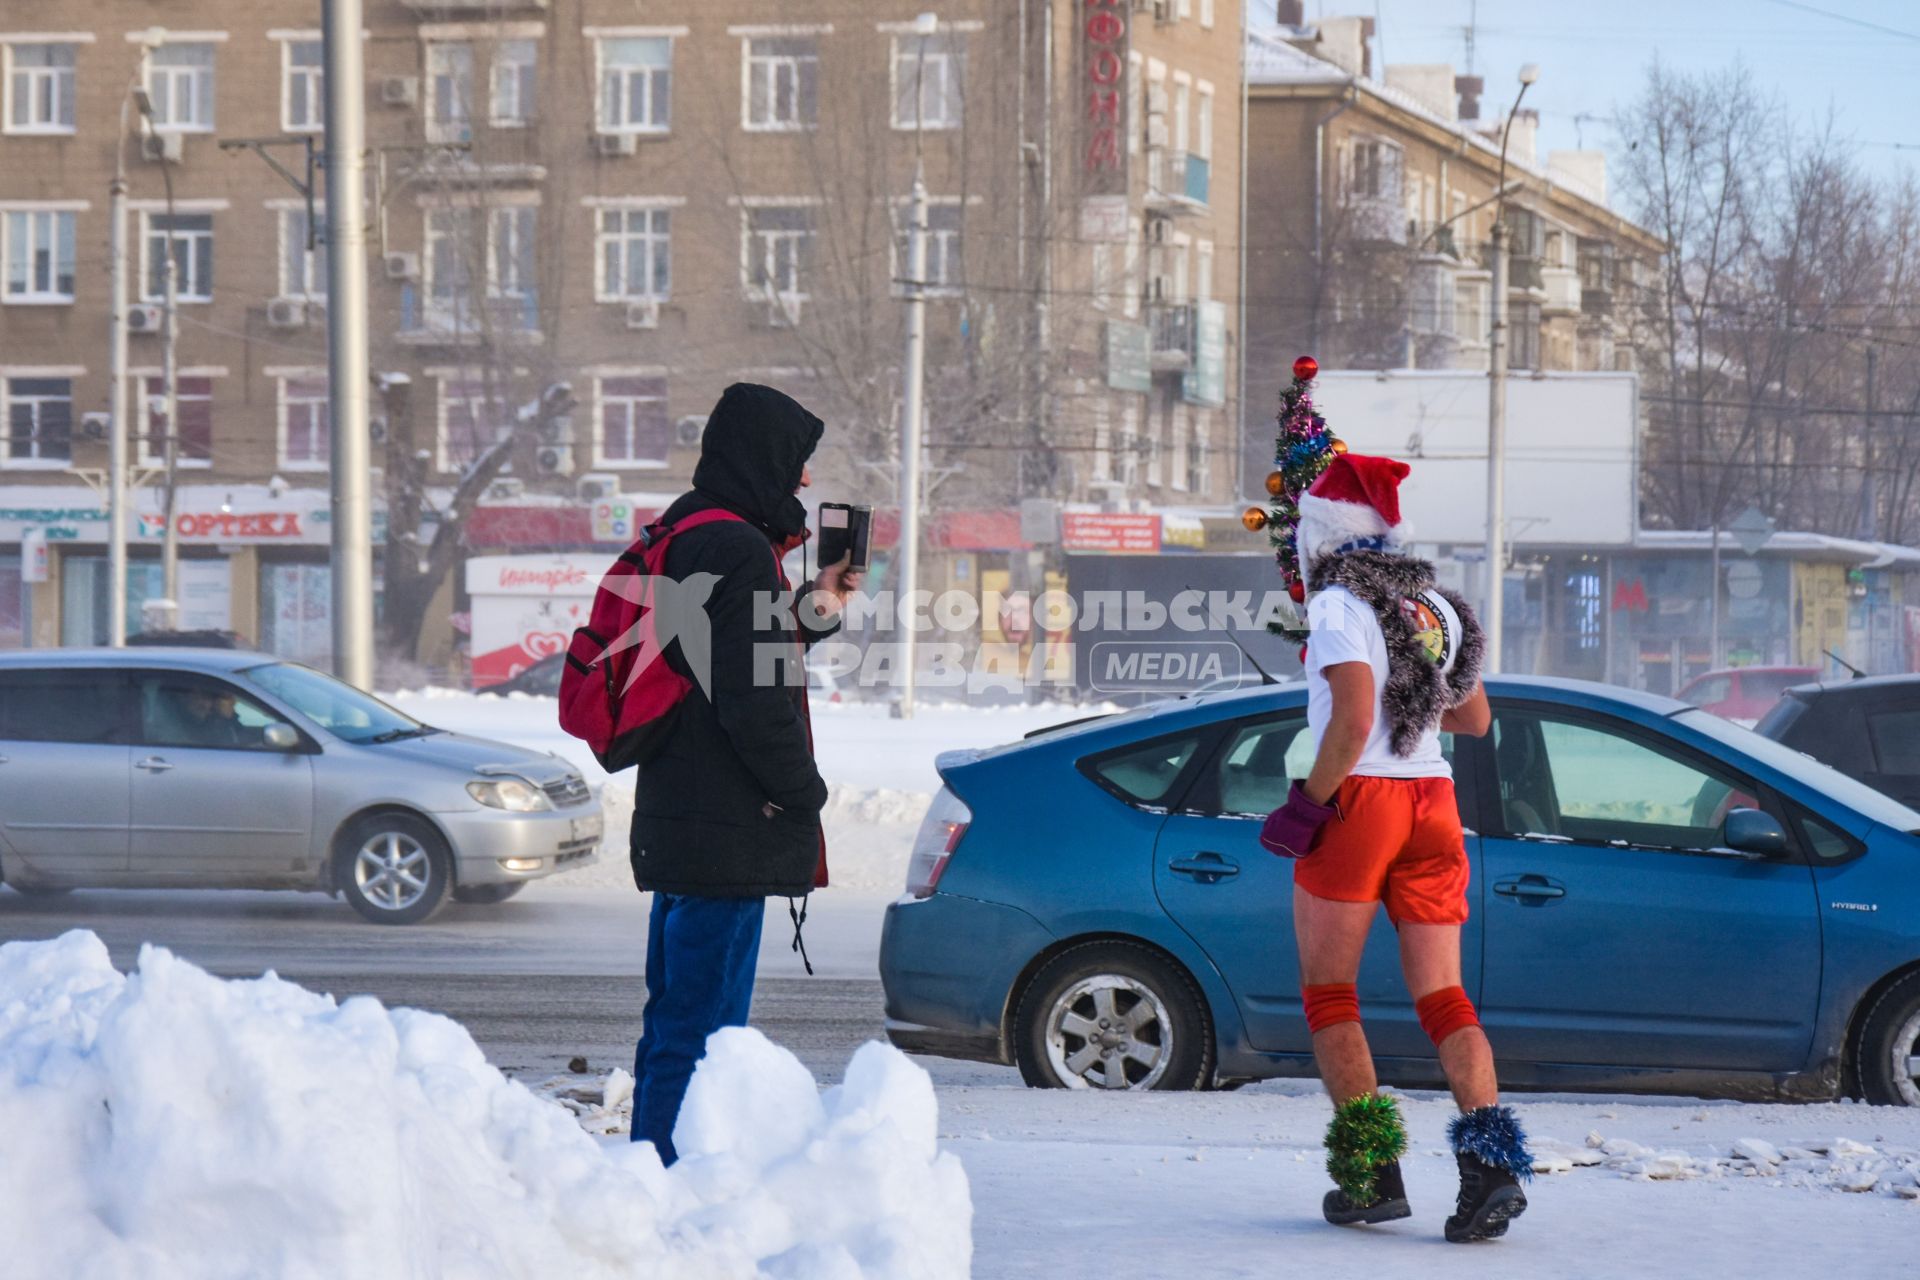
{"points": [[1397, 841]]}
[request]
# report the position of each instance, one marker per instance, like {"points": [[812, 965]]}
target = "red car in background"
{"points": [[1743, 694]]}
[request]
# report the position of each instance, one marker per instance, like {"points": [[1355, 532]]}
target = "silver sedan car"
{"points": [[207, 768]]}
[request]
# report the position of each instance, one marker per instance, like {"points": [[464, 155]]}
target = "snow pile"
{"points": [[170, 1124], [1838, 1164]]}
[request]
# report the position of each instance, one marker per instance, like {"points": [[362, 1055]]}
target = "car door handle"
{"points": [[1535, 889], [153, 764], [1207, 868]]}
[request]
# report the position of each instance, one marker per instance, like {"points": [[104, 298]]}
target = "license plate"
{"points": [[591, 828]]}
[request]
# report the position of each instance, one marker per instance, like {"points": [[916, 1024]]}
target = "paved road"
{"points": [[553, 974]]}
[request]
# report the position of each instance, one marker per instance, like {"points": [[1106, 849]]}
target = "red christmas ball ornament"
{"points": [[1297, 591], [1254, 519], [1305, 368]]}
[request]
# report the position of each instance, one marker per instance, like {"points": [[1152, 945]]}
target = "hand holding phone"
{"points": [[845, 534]]}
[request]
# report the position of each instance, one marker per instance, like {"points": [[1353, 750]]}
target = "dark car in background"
{"points": [[1868, 729]]}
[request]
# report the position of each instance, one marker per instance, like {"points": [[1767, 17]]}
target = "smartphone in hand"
{"points": [[845, 530]]}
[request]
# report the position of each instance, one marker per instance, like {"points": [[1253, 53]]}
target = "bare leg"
{"points": [[1430, 957], [1331, 936]]}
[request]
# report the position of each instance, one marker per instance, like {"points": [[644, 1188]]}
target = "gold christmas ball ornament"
{"points": [[1339, 445], [1254, 518], [1276, 483]]}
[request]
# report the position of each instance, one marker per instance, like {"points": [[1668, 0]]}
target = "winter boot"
{"points": [[1364, 1144], [1492, 1153]]}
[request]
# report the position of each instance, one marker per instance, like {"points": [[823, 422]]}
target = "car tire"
{"points": [[482, 894], [1113, 1015], [394, 868], [1889, 1044]]}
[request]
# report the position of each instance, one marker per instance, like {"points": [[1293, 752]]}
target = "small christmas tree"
{"points": [[1302, 450]]}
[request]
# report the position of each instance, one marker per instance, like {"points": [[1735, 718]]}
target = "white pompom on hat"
{"points": [[1355, 500]]}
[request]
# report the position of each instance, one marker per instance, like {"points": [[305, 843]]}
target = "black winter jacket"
{"points": [[700, 821]]}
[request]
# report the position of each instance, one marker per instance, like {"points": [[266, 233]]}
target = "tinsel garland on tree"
{"points": [[1302, 450]]}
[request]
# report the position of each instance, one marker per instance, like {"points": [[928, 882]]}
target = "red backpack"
{"points": [[624, 715]]}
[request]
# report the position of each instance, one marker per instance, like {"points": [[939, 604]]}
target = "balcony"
{"points": [[1195, 173], [1525, 273], [1377, 219], [1562, 287], [1174, 329], [1186, 188]]}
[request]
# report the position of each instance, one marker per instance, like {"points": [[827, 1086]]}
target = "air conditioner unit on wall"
{"points": [[402, 266], [286, 313], [643, 314], [144, 318], [615, 144], [555, 459], [687, 431], [400, 91], [595, 485], [167, 148]]}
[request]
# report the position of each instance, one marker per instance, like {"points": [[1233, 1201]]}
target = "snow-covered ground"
{"points": [[171, 1125]]}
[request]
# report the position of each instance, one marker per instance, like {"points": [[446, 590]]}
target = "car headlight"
{"points": [[512, 794]]}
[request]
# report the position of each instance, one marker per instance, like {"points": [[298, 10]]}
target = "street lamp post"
{"points": [[1497, 398], [913, 379]]}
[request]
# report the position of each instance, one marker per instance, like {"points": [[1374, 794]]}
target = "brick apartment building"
{"points": [[1370, 211], [645, 201]]}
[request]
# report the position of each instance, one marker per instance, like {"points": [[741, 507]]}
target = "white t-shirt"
{"points": [[1344, 629]]}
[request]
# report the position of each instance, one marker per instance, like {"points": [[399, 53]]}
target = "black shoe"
{"points": [[1388, 1204], [1490, 1198]]}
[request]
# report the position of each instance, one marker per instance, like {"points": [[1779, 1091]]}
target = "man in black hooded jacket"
{"points": [[727, 813]]}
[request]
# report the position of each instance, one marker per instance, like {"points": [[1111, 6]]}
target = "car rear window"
{"points": [[1145, 774], [1896, 741], [68, 704]]}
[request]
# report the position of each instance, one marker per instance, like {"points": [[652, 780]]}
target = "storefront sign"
{"points": [[1127, 532], [615, 520], [1206, 382], [1105, 219], [1183, 532], [33, 556], [1103, 76], [1129, 356], [227, 526], [526, 607]]}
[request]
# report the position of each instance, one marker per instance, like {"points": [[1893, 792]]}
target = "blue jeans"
{"points": [[701, 956]]}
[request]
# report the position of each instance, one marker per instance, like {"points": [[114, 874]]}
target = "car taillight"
{"points": [[940, 834]]}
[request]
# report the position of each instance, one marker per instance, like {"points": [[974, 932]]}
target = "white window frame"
{"points": [[952, 88], [756, 246], [32, 297], [603, 70], [1100, 274], [1180, 132], [1178, 268], [601, 460], [284, 380], [315, 78], [145, 413], [289, 218], [1136, 102], [202, 94], [34, 76], [1203, 271], [462, 380], [772, 64], [513, 262], [1203, 121], [1206, 14], [623, 242], [944, 246], [181, 284], [1130, 277], [36, 462], [513, 83], [448, 109], [463, 314]]}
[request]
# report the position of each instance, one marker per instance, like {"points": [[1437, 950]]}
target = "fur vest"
{"points": [[1418, 693]]}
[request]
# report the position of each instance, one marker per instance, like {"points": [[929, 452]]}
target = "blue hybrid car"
{"points": [[1661, 902]]}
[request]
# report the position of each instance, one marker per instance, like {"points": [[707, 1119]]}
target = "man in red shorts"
{"points": [[1392, 661]]}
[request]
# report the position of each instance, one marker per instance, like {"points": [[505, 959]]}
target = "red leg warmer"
{"points": [[1328, 1005], [1444, 1012]]}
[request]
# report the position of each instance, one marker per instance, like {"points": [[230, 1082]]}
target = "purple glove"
{"points": [[1290, 829]]}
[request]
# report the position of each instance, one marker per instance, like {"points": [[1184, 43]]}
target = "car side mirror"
{"points": [[281, 737], [1752, 831]]}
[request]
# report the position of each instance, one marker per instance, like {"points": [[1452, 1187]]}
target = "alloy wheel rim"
{"points": [[1906, 1060], [392, 871], [1109, 1032]]}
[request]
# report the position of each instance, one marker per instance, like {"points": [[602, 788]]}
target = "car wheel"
{"points": [[476, 894], [1113, 1015], [1887, 1054], [394, 868]]}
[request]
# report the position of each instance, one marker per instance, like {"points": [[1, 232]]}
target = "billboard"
{"points": [[1572, 450]]}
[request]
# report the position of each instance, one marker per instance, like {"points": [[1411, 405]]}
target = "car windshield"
{"points": [[339, 708], [1857, 796]]}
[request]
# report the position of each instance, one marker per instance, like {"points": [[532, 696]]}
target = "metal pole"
{"points": [[352, 566], [913, 409], [1497, 452], [1713, 634], [117, 390], [170, 386]]}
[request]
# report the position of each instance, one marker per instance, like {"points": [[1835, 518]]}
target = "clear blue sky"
{"points": [[1593, 56]]}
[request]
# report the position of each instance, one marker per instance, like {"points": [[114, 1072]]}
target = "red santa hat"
{"points": [[1355, 500]]}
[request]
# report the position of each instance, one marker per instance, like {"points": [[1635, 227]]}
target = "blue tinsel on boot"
{"points": [[1493, 1136]]}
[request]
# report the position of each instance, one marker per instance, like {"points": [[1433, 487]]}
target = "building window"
{"points": [[927, 76], [1206, 13], [1469, 311], [633, 430], [1136, 104], [1130, 284], [39, 421], [1203, 120], [511, 283], [449, 92], [778, 251], [783, 82], [304, 442], [945, 269], [39, 88], [303, 270], [514, 86], [303, 94], [180, 84], [1182, 114], [1200, 453], [1102, 275], [636, 84], [449, 268], [39, 247], [1375, 171], [1180, 449], [1203, 271], [635, 252], [194, 439], [190, 236], [471, 421]]}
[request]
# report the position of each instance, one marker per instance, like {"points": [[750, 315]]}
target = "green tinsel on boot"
{"points": [[1364, 1134]]}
